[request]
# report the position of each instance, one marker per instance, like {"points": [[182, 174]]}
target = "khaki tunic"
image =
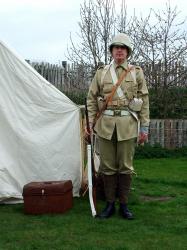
{"points": [[126, 126]]}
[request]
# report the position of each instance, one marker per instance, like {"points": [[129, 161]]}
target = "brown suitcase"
{"points": [[47, 197]]}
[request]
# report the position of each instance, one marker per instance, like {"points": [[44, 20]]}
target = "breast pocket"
{"points": [[107, 88], [130, 88]]}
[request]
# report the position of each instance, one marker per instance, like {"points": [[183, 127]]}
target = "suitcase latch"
{"points": [[43, 191]]}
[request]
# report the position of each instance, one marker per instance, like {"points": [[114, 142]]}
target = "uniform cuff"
{"points": [[144, 129]]}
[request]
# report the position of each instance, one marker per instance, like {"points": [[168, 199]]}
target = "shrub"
{"points": [[156, 151], [77, 97]]}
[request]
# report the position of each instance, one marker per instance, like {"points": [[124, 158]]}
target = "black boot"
{"points": [[108, 211], [110, 184], [124, 212]]}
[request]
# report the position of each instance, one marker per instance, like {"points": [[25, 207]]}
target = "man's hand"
{"points": [[86, 132], [142, 138]]}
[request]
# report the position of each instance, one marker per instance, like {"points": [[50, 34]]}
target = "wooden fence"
{"points": [[168, 133], [65, 76], [156, 75], [76, 76]]}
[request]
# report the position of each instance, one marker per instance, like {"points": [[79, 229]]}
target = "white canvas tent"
{"points": [[39, 129]]}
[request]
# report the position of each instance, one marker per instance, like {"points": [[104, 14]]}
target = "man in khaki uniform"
{"points": [[125, 119]]}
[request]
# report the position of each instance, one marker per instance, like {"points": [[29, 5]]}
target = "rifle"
{"points": [[91, 167]]}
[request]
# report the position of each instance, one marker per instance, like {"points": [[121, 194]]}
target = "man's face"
{"points": [[119, 53]]}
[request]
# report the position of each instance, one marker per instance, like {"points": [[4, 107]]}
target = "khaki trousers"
{"points": [[116, 157]]}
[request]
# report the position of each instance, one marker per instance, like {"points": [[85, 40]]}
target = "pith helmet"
{"points": [[121, 40]]}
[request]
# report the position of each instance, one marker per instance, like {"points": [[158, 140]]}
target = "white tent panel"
{"points": [[39, 129]]}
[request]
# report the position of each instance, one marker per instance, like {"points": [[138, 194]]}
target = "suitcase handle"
{"points": [[48, 182]]}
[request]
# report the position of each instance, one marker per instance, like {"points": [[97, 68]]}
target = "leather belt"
{"points": [[116, 112]]}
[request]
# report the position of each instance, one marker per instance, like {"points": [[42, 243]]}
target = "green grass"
{"points": [[157, 225]]}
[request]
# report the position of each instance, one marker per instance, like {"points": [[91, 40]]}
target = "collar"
{"points": [[124, 65]]}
